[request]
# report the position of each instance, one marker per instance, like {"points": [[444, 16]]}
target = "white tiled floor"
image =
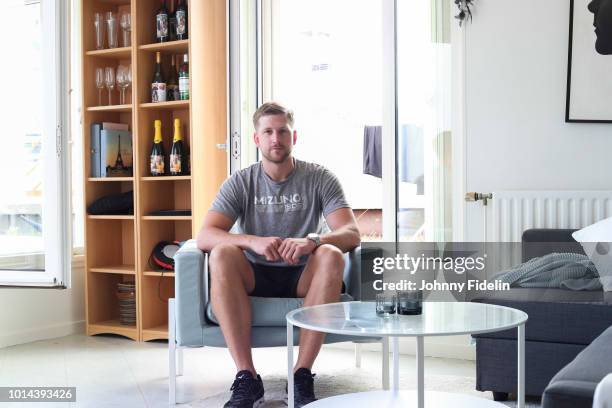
{"points": [[111, 371]]}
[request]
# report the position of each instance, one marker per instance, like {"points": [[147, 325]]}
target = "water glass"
{"points": [[112, 27], [100, 32], [410, 302], [100, 83], [126, 29], [385, 304]]}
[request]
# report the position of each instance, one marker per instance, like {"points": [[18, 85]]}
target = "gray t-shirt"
{"points": [[292, 208]]}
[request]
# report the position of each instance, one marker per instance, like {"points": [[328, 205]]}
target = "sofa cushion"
{"points": [[271, 311], [554, 317], [575, 384]]}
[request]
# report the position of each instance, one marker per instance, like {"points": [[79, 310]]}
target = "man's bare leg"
{"points": [[232, 279], [320, 283]]}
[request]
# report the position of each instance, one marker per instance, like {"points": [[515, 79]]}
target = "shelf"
{"points": [[114, 327], [177, 47], [110, 217], [104, 179], [157, 273], [110, 108], [155, 333], [119, 269], [115, 53], [166, 105], [165, 178], [166, 217]]}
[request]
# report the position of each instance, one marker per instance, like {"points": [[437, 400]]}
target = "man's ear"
{"points": [[256, 139], [294, 136]]}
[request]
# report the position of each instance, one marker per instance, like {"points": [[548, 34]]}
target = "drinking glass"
{"points": [[122, 81], [110, 81], [99, 26], [410, 302], [385, 304], [100, 83], [126, 29], [129, 77], [112, 26]]}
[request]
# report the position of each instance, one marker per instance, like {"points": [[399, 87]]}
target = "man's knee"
{"points": [[332, 262], [220, 261]]}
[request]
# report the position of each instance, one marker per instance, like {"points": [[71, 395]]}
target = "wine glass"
{"points": [[122, 81], [126, 25], [110, 81], [129, 77], [100, 83]]}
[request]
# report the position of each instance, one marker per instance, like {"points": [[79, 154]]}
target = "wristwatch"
{"points": [[314, 238]]}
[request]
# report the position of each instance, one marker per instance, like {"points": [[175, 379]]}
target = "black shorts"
{"points": [[276, 281]]}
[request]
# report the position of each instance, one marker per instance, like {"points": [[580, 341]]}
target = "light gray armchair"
{"points": [[191, 322]]}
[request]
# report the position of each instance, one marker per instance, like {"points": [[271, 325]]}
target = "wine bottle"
{"points": [[172, 22], [181, 21], [184, 78], [178, 159], [161, 19], [157, 152], [172, 85], [158, 84]]}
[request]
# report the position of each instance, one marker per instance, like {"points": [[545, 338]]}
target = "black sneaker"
{"points": [[303, 388], [247, 391]]}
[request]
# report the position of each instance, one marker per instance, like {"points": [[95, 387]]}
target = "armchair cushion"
{"points": [[271, 311]]}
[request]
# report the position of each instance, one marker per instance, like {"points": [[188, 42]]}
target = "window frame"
{"points": [[56, 208]]}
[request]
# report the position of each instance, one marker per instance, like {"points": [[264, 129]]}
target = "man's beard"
{"points": [[282, 159]]}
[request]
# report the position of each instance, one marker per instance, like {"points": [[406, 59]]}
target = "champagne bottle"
{"points": [[157, 152], [161, 19], [172, 22], [172, 85], [181, 21], [184, 78], [158, 84], [178, 158]]}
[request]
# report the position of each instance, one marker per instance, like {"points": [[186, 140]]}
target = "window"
{"points": [[34, 224]]}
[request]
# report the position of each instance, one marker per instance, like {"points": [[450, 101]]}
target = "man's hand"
{"points": [[292, 249], [266, 246]]}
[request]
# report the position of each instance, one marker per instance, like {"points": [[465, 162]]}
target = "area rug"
{"points": [[354, 380]]}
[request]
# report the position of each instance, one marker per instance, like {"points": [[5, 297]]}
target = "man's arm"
{"points": [[344, 235], [215, 229], [344, 231]]}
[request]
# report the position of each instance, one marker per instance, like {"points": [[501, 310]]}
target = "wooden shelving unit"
{"points": [[118, 246]]}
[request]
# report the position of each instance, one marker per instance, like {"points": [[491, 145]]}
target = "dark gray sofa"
{"points": [[561, 324], [574, 385]]}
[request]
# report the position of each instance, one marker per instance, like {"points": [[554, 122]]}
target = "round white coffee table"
{"points": [[438, 319]]}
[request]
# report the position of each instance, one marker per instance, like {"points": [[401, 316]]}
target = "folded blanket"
{"points": [[565, 270]]}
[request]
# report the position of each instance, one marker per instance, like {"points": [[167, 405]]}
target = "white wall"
{"points": [[516, 67], [28, 315]]}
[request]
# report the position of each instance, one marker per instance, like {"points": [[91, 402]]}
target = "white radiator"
{"points": [[512, 212]]}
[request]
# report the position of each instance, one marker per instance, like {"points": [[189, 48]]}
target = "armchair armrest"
{"points": [[352, 273], [191, 292]]}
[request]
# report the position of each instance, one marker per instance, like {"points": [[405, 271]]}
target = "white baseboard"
{"points": [[42, 333]]}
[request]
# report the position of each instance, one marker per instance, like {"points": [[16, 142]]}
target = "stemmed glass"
{"points": [[126, 25], [110, 81], [100, 83], [122, 81], [129, 77]]}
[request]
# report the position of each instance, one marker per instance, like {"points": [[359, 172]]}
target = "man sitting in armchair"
{"points": [[278, 204]]}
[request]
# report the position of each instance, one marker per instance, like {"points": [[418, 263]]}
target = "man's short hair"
{"points": [[272, 108]]}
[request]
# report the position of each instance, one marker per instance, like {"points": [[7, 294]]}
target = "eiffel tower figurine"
{"points": [[119, 160]]}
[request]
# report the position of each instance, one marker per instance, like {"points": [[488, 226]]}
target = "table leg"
{"points": [[395, 364], [290, 401], [420, 372], [521, 366], [385, 363]]}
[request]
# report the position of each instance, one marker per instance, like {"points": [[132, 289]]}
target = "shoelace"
{"points": [[240, 388]]}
